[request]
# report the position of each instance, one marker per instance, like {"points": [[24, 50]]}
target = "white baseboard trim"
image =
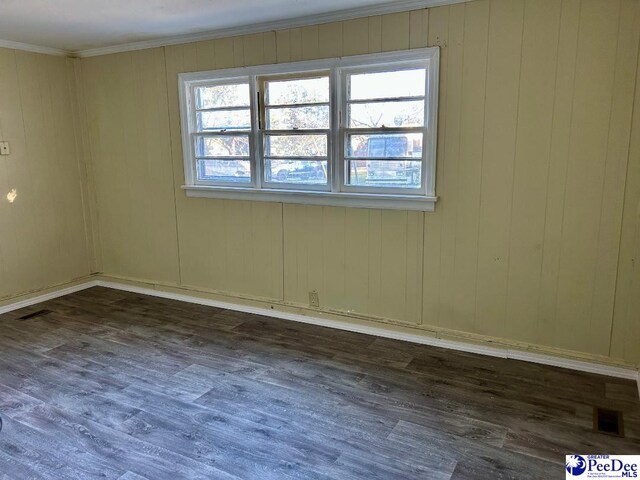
{"points": [[61, 292], [579, 365], [571, 364]]}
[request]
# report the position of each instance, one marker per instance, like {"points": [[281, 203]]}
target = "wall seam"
{"points": [[173, 172], [624, 194], [566, 179], [82, 168], [513, 174], [604, 185], [552, 125], [484, 136]]}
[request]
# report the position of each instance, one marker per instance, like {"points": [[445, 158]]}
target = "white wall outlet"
{"points": [[314, 299], [4, 148]]}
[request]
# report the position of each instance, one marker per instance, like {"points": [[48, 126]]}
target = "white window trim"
{"points": [[423, 200]]}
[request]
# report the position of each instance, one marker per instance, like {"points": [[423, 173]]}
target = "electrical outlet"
{"points": [[4, 148], [314, 299]]}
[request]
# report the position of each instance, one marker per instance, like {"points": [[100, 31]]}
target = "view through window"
{"points": [[362, 125]]}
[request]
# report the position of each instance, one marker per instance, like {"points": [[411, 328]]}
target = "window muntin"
{"points": [[296, 113], [362, 125]]}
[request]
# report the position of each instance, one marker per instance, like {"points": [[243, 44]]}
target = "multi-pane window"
{"points": [[356, 129], [222, 134], [296, 119], [384, 128]]}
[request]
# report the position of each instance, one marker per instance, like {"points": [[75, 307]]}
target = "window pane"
{"points": [[296, 146], [224, 170], [403, 83], [387, 114], [308, 172], [222, 146], [382, 173], [304, 90], [298, 118], [224, 120], [403, 145], [217, 96]]}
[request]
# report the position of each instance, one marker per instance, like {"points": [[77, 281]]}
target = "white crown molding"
{"points": [[340, 15], [27, 47]]}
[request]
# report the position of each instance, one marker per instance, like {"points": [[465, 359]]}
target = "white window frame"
{"points": [[336, 192]]}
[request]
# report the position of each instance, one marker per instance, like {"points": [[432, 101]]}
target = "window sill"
{"points": [[359, 200]]}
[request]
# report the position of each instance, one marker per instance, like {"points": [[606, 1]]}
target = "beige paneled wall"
{"points": [[534, 239], [224, 245], [626, 319], [43, 240], [362, 261], [125, 102]]}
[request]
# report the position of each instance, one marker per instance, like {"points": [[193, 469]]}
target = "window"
{"points": [[385, 129], [355, 131], [222, 133], [296, 130]]}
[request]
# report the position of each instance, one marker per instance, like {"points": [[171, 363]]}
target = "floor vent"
{"points": [[39, 313], [608, 422]]}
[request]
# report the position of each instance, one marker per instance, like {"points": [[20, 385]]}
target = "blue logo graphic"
{"points": [[576, 465]]}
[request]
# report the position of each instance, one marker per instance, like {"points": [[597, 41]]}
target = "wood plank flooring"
{"points": [[114, 385]]}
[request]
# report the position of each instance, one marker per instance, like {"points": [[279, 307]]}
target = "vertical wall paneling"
{"points": [[448, 170], [126, 95], [310, 42], [358, 260], [223, 48], [356, 36], [613, 187], [330, 40], [474, 71], [534, 237], [500, 120], [85, 165], [43, 239], [283, 46], [626, 327], [375, 34], [253, 48], [206, 54], [437, 34], [588, 136], [548, 330], [531, 166], [395, 32], [418, 28], [223, 245]]}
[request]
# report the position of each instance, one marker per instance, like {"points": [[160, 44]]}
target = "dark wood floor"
{"points": [[114, 385]]}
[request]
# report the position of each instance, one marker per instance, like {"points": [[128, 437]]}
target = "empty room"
{"points": [[339, 239]]}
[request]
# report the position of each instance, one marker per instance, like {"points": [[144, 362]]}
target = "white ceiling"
{"points": [[77, 25]]}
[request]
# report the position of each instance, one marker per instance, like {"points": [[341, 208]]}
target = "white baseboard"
{"points": [[579, 365], [60, 292], [556, 361]]}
